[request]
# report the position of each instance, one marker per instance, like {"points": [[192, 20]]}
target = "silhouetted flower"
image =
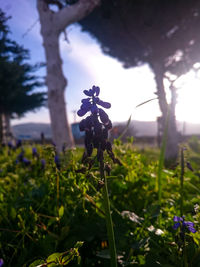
{"points": [[92, 102], [180, 222], [96, 125]]}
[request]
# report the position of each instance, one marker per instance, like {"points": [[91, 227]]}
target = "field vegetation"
{"points": [[52, 211]]}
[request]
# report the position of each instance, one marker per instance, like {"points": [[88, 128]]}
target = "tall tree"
{"points": [[17, 80], [52, 24], [162, 33]]}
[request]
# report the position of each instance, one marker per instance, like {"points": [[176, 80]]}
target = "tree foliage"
{"points": [[144, 31], [17, 79], [161, 33]]}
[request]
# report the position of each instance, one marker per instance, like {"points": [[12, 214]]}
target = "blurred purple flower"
{"points": [[35, 153], [26, 161], [57, 161], [1, 262], [43, 163], [180, 222], [20, 157], [18, 143], [10, 145]]}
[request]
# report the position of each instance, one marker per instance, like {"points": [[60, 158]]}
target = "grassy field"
{"points": [[49, 205]]}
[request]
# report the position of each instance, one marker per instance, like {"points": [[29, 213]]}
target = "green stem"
{"points": [[109, 224], [162, 158], [181, 182]]}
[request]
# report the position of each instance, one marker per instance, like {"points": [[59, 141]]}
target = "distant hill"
{"points": [[32, 130], [140, 128]]}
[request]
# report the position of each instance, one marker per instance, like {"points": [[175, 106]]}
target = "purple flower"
{"points": [[95, 126], [91, 103], [43, 163], [20, 157], [1, 262], [18, 143], [57, 161], [10, 145], [34, 152], [180, 222], [26, 161]]}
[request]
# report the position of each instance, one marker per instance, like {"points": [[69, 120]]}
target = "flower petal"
{"points": [[103, 116], [104, 104], [85, 100], [81, 112], [176, 226], [192, 229], [86, 106], [82, 125], [88, 92], [94, 109], [177, 219], [96, 90]]}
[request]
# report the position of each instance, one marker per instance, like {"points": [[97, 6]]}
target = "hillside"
{"points": [[140, 128]]}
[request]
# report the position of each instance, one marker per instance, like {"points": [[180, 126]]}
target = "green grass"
{"points": [[41, 214]]}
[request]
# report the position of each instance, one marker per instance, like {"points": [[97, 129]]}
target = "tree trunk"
{"points": [[52, 24], [171, 153], [8, 131], [56, 82]]}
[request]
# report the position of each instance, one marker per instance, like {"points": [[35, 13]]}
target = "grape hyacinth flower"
{"points": [[1, 262], [43, 163], [26, 161], [20, 157], [180, 222], [35, 153], [96, 125], [57, 161], [10, 145], [18, 143]]}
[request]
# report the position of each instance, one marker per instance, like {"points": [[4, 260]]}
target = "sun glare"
{"points": [[188, 106]]}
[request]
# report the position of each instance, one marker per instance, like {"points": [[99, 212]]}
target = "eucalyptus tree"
{"points": [[53, 23], [162, 33]]}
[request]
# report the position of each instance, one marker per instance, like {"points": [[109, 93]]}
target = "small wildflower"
{"points": [[35, 153], [189, 166], [96, 125], [20, 157], [26, 161], [1, 262], [43, 163], [18, 143], [10, 145], [57, 161], [180, 222]]}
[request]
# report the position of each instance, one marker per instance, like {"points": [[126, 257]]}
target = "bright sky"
{"points": [[84, 65]]}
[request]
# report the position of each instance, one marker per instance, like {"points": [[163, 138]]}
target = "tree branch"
{"points": [[74, 13]]}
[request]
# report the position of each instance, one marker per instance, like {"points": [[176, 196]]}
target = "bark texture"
{"points": [[171, 153], [52, 24]]}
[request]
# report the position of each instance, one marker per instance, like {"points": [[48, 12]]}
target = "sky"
{"points": [[84, 65]]}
